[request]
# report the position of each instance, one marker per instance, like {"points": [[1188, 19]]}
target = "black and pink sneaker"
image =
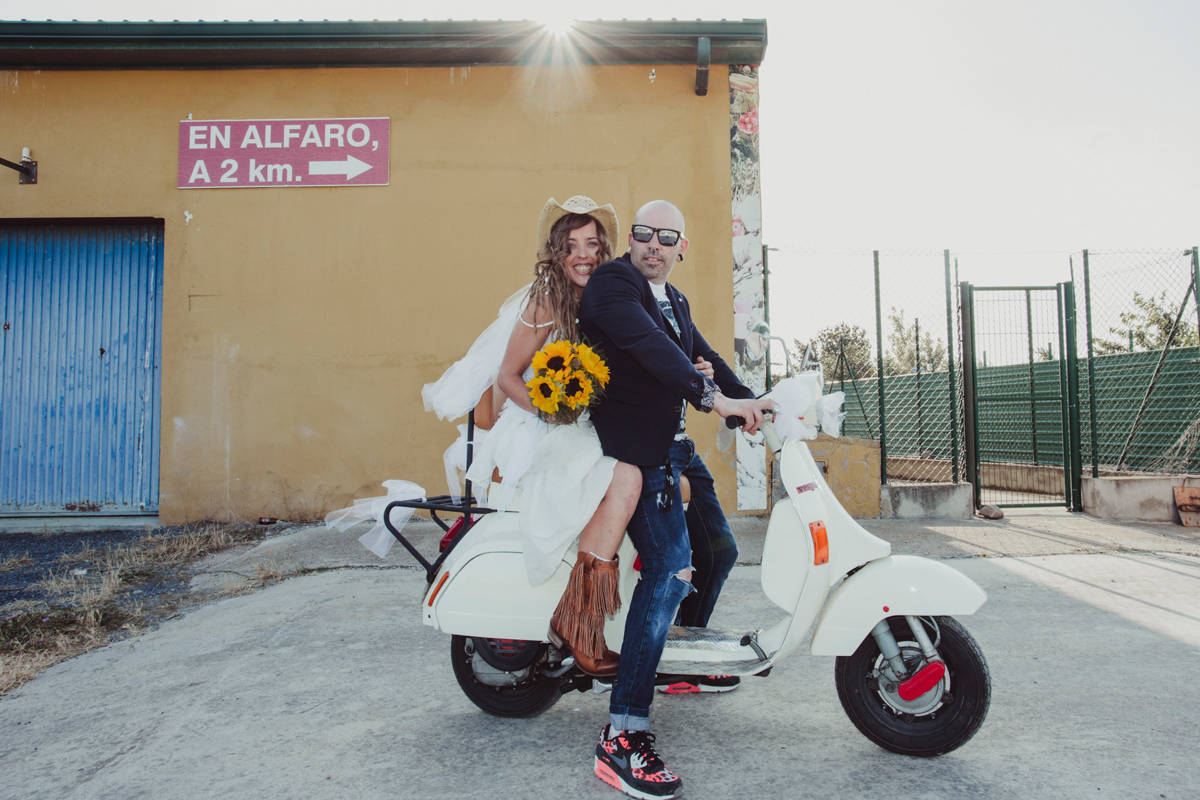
{"points": [[694, 684], [628, 763]]}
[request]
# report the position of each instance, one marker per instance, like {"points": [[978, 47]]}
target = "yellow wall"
{"points": [[300, 324], [852, 472], [852, 466]]}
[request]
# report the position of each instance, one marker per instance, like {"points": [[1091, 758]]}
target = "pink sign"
{"points": [[254, 153]]}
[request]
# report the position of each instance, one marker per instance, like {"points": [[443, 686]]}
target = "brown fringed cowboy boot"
{"points": [[578, 622]]}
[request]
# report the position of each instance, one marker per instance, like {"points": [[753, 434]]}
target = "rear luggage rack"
{"points": [[446, 504]]}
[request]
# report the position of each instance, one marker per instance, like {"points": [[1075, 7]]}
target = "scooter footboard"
{"points": [[889, 587]]}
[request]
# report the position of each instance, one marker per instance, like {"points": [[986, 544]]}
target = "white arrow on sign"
{"points": [[351, 167]]}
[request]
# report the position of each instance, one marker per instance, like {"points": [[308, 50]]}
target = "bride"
{"points": [[569, 488]]}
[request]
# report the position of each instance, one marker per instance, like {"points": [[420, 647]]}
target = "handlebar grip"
{"points": [[734, 422]]}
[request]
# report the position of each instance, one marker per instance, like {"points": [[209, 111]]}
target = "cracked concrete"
{"points": [[327, 685]]}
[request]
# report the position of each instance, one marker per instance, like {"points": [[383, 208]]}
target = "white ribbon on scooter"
{"points": [[379, 539], [455, 461], [801, 407]]}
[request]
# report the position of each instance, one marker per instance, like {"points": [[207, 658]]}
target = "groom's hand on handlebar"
{"points": [[750, 411]]}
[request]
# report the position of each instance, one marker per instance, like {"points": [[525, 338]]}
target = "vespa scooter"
{"points": [[909, 676]]}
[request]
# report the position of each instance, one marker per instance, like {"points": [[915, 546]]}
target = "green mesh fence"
{"points": [[1138, 348], [1144, 362]]}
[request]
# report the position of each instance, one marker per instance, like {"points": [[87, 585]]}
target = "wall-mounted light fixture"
{"points": [[27, 169]]}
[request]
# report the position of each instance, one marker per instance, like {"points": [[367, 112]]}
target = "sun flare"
{"points": [[557, 25]]}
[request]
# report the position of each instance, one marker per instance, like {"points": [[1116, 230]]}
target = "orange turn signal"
{"points": [[820, 543], [441, 583]]}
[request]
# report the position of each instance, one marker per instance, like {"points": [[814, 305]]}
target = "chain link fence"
{"points": [[1140, 391], [900, 364], [910, 342]]}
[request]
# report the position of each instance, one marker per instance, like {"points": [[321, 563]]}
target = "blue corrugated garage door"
{"points": [[80, 303]]}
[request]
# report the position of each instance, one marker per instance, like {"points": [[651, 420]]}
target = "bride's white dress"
{"points": [[562, 475], [559, 470]]}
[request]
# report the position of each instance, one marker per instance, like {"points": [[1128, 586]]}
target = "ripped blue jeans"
{"points": [[661, 537]]}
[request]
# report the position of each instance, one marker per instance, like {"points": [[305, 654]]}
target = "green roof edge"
{"points": [[224, 45]]}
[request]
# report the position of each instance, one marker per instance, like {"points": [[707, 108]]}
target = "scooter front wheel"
{"points": [[520, 693], [942, 719]]}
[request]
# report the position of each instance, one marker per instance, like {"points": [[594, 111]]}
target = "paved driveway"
{"points": [[327, 685]]}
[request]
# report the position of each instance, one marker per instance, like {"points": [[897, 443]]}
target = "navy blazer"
{"points": [[653, 371]]}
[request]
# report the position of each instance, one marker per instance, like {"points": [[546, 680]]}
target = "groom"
{"points": [[643, 328]]}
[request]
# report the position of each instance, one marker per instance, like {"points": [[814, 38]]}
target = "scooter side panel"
{"points": [[787, 556], [790, 579], [490, 596], [892, 586]]}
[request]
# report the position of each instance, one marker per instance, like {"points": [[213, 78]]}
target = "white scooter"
{"points": [[909, 676]]}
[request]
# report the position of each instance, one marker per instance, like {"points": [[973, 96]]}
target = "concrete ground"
{"points": [[327, 685]]}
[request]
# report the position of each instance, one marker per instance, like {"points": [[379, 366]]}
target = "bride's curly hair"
{"points": [[552, 289]]}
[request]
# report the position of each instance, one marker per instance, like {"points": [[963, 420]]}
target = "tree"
{"points": [[1150, 325], [901, 355], [828, 344]]}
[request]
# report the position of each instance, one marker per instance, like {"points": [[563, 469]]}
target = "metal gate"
{"points": [[80, 304], [1021, 398]]}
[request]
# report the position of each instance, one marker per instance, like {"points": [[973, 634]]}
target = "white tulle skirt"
{"points": [[562, 473]]}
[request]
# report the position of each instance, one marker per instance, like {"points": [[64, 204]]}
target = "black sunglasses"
{"points": [[666, 236]]}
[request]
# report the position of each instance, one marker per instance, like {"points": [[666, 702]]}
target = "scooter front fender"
{"points": [[890, 587]]}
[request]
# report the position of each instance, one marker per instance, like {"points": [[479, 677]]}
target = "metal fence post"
{"points": [[1073, 397], [879, 358], [1196, 286], [970, 415], [1087, 310], [1032, 393], [1064, 407], [920, 423], [950, 372]]}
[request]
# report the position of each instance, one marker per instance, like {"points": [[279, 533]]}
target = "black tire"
{"points": [[945, 727], [527, 699]]}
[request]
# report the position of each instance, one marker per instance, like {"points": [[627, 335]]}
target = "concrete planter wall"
{"points": [[914, 501], [1148, 498]]}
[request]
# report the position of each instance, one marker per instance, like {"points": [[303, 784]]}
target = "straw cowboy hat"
{"points": [[553, 211]]}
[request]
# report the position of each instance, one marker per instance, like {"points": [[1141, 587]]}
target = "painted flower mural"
{"points": [[748, 295]]}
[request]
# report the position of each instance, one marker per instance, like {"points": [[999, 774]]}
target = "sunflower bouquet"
{"points": [[567, 378]]}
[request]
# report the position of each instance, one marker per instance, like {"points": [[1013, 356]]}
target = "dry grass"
{"points": [[267, 572], [85, 553], [89, 606], [15, 562]]}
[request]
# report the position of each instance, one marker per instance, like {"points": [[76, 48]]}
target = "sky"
{"points": [[1012, 133]]}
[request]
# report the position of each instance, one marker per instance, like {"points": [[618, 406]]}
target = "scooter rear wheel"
{"points": [[945, 722], [531, 695]]}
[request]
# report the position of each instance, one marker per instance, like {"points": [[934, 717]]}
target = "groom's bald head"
{"points": [[665, 212], [654, 259]]}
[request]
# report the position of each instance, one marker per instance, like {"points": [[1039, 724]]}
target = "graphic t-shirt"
{"points": [[664, 303]]}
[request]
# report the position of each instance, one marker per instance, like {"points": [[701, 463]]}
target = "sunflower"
{"points": [[544, 395], [577, 390], [553, 358], [592, 363]]}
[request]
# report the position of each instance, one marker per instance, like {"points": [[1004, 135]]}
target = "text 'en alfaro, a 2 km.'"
{"points": [[262, 153]]}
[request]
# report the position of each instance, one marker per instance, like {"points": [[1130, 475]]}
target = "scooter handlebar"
{"points": [[767, 429]]}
